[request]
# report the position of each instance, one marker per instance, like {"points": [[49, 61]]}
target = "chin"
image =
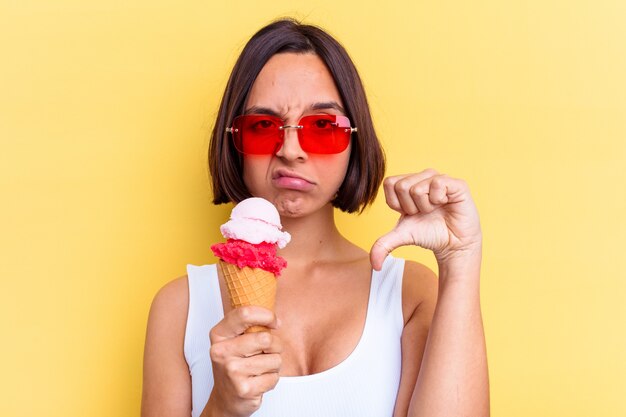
{"points": [[294, 206], [290, 206]]}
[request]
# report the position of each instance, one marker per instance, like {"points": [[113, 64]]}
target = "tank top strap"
{"points": [[205, 305], [205, 311], [386, 293]]}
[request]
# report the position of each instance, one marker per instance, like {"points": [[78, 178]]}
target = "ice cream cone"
{"points": [[249, 287]]}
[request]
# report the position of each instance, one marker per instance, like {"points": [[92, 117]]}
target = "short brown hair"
{"points": [[366, 166]]}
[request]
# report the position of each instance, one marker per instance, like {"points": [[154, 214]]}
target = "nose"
{"points": [[290, 148]]}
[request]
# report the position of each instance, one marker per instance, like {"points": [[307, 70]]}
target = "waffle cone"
{"points": [[249, 287]]}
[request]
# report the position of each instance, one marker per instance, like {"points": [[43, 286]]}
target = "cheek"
{"points": [[343, 162], [343, 169], [254, 170], [334, 168]]}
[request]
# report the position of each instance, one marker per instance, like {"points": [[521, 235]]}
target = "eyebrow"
{"points": [[328, 105], [261, 110], [316, 106]]}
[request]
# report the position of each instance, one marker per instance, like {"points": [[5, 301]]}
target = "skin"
{"points": [[440, 376], [289, 86]]}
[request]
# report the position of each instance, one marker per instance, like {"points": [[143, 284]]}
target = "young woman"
{"points": [[354, 333]]}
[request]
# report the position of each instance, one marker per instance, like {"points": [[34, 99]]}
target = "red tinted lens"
{"points": [[262, 135], [257, 134], [324, 133]]}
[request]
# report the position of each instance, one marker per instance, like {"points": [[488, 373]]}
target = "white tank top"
{"points": [[364, 384]]}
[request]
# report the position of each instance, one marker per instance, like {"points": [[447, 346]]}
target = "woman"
{"points": [[354, 334]]}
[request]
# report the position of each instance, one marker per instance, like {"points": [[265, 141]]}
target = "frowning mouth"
{"points": [[285, 173], [289, 180]]}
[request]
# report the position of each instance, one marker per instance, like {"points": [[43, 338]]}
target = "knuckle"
{"points": [[264, 339], [431, 171], [438, 181], [242, 389], [244, 313], [232, 367], [389, 182], [415, 191], [217, 352], [403, 186], [212, 334]]}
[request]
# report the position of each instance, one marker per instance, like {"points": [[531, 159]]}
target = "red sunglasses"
{"points": [[259, 134]]}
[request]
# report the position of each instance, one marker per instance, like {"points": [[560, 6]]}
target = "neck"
{"points": [[313, 237]]}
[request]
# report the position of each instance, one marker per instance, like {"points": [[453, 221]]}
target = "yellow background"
{"points": [[105, 112]]}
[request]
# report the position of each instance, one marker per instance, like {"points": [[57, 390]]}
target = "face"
{"points": [[291, 86]]}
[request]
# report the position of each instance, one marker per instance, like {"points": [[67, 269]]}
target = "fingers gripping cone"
{"points": [[249, 287]]}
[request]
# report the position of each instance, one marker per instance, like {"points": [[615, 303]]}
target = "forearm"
{"points": [[213, 409], [210, 411], [453, 378]]}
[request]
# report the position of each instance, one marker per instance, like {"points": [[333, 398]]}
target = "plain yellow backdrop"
{"points": [[105, 113]]}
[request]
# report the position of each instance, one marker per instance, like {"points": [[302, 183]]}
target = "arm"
{"points": [[166, 379], [419, 297], [453, 379], [438, 213]]}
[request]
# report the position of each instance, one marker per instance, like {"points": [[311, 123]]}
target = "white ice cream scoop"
{"points": [[255, 220]]}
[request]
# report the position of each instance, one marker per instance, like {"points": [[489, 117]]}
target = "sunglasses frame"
{"points": [[233, 130]]}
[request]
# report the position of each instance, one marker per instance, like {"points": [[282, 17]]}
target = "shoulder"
{"points": [[173, 295], [419, 291], [166, 378], [168, 312]]}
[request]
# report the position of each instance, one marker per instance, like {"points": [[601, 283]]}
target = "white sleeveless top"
{"points": [[364, 384]]}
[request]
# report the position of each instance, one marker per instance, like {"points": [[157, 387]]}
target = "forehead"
{"points": [[292, 84]]}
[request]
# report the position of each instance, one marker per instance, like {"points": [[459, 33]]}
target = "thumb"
{"points": [[383, 247]]}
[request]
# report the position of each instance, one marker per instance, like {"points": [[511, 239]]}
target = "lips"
{"points": [[284, 178], [281, 172]]}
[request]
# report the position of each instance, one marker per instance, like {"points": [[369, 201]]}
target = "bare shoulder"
{"points": [[166, 381], [419, 290], [168, 313], [172, 300], [168, 318]]}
